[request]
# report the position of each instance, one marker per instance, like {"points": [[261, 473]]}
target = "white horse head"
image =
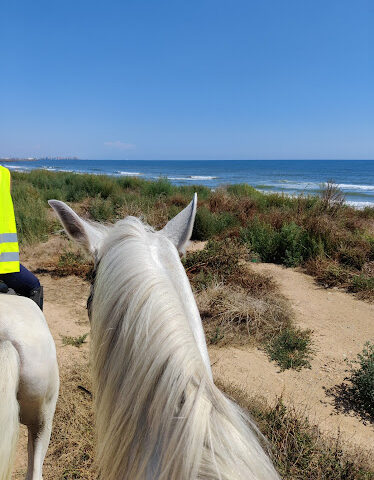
{"points": [[158, 413]]}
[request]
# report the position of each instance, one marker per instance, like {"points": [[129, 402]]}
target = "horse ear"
{"points": [[179, 229], [78, 229]]}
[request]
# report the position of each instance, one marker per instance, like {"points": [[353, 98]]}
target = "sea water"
{"points": [[355, 177]]}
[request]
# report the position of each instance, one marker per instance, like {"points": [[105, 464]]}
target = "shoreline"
{"points": [[358, 196]]}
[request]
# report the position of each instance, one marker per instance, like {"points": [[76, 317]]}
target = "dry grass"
{"points": [[237, 305], [299, 450], [71, 451], [233, 315], [330, 273]]}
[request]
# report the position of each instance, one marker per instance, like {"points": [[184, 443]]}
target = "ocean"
{"points": [[292, 177]]}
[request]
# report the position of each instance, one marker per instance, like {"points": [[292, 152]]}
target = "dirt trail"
{"points": [[340, 323]]}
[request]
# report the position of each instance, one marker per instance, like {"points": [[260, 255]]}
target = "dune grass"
{"points": [[333, 241]]}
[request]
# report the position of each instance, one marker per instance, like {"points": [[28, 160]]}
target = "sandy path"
{"points": [[340, 323]]}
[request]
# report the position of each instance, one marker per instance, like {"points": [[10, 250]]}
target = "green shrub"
{"points": [[30, 212], [101, 209], [162, 186], [362, 380], [208, 224], [291, 245], [291, 348], [262, 239], [362, 282], [243, 190]]}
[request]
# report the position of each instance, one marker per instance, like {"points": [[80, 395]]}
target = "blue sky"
{"points": [[198, 79]]}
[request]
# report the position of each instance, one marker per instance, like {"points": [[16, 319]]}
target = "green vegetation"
{"points": [[362, 381], [331, 240], [291, 348], [74, 341]]}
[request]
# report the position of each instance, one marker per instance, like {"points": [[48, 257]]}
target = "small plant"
{"points": [[74, 341], [362, 380], [332, 197], [291, 348], [72, 262], [217, 337]]}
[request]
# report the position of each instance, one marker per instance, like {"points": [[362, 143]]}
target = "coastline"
{"points": [[356, 179]]}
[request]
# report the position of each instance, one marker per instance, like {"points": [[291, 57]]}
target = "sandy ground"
{"points": [[340, 323]]}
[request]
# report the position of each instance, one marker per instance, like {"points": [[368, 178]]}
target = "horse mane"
{"points": [[158, 414]]}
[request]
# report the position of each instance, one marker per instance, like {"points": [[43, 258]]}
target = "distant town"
{"points": [[34, 159]]}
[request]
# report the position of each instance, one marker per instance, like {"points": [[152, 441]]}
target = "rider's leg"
{"points": [[25, 283]]}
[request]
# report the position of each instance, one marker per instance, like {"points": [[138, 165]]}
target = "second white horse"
{"points": [[29, 382]]}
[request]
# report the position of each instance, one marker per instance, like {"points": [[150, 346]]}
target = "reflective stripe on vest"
{"points": [[9, 251], [9, 257]]}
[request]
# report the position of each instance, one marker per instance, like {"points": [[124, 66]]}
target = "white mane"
{"points": [[158, 414]]}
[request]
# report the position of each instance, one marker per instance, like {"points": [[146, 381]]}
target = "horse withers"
{"points": [[159, 415], [29, 382]]}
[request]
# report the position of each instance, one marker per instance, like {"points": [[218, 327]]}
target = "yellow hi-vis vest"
{"points": [[9, 251]]}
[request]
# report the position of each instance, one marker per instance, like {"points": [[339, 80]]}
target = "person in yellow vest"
{"points": [[12, 273]]}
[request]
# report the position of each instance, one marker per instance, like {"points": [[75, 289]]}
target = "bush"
{"points": [[237, 305], [159, 187], [362, 380], [101, 209], [332, 197], [291, 245], [291, 348], [362, 282], [328, 272], [73, 262], [219, 260], [208, 224], [262, 239]]}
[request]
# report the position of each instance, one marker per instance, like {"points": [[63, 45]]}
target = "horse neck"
{"points": [[144, 356], [158, 414]]}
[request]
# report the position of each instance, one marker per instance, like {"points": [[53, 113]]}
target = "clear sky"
{"points": [[196, 79]]}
